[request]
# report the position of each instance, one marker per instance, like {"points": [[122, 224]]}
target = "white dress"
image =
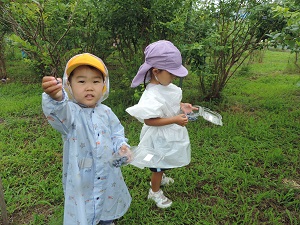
{"points": [[160, 146]]}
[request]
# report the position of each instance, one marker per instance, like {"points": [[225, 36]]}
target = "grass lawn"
{"points": [[244, 172]]}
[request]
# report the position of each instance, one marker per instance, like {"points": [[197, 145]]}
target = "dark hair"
{"points": [[149, 72], [91, 67], [146, 74]]}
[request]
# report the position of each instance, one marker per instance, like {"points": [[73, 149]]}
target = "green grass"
{"points": [[237, 170]]}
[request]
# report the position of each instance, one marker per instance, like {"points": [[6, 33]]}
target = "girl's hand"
{"points": [[187, 108], [181, 120], [53, 87]]}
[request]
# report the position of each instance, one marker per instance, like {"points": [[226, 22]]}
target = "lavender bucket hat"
{"points": [[161, 55]]}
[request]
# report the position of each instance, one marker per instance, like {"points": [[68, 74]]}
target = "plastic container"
{"points": [[144, 157], [207, 114], [121, 158]]}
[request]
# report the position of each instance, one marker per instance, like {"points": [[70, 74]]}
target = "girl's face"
{"points": [[163, 77], [87, 85]]}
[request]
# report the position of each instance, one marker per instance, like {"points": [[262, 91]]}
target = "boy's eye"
{"points": [[81, 81]]}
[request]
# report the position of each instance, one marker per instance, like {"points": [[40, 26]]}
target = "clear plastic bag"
{"points": [[145, 157], [121, 158], [207, 114]]}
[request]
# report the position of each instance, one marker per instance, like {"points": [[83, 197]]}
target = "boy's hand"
{"points": [[125, 151], [53, 87]]}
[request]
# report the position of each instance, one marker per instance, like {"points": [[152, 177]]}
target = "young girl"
{"points": [[164, 136], [95, 192]]}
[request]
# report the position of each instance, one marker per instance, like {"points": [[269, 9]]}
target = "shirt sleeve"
{"points": [[57, 112], [117, 132], [147, 108]]}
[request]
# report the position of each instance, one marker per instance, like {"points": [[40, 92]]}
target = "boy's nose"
{"points": [[89, 87]]}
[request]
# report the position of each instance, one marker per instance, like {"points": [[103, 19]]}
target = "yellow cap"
{"points": [[85, 59]]}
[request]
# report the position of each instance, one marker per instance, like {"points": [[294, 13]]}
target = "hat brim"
{"points": [[180, 72], [139, 77], [144, 68]]}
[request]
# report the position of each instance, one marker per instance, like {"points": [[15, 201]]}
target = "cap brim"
{"points": [[85, 59], [139, 77]]}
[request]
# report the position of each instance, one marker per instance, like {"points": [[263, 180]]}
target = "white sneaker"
{"points": [[159, 198], [165, 181]]}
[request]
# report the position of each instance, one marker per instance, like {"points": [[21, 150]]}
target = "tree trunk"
{"points": [[3, 74], [3, 205]]}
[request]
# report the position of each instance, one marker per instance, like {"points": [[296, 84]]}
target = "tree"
{"points": [[289, 36], [228, 33], [3, 31], [135, 25], [51, 32], [33, 28], [3, 209]]}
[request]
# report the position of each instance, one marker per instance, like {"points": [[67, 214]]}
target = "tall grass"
{"points": [[245, 172]]}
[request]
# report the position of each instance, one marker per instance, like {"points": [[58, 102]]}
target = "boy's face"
{"points": [[87, 85]]}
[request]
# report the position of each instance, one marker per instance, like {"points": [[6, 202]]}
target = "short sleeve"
{"points": [[147, 108]]}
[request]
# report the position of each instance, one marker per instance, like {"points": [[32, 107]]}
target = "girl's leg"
{"points": [[164, 180], [156, 180], [155, 193]]}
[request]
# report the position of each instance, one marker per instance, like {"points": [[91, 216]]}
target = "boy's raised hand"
{"points": [[53, 87]]}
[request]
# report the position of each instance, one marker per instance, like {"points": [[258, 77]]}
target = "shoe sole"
{"points": [[163, 185], [161, 206], [164, 206]]}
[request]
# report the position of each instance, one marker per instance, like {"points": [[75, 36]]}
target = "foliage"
{"points": [[289, 36], [227, 34], [34, 33], [245, 172], [51, 32], [134, 26], [214, 37], [3, 31]]}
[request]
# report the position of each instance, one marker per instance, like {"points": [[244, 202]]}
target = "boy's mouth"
{"points": [[89, 96]]}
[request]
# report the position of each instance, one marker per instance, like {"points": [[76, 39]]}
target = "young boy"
{"points": [[95, 192]]}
